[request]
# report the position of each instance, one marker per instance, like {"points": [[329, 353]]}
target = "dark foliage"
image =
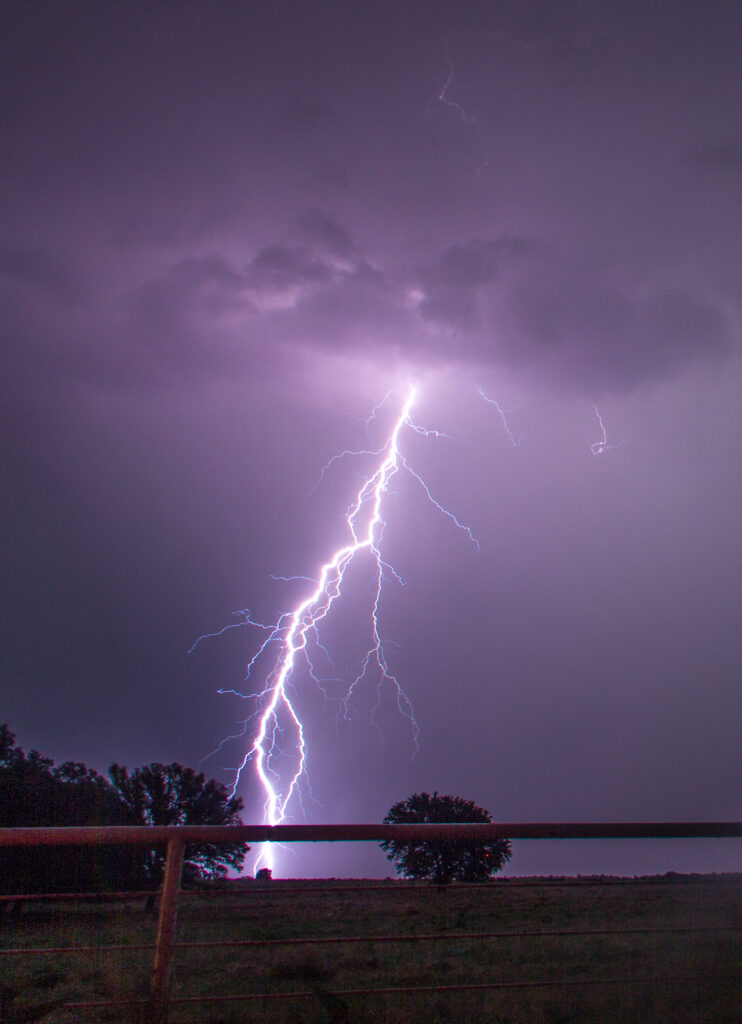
{"points": [[169, 794], [443, 861], [34, 791]]}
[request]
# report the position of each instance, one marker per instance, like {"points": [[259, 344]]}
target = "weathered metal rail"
{"points": [[152, 834]]}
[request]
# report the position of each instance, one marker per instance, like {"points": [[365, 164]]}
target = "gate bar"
{"points": [[145, 834]]}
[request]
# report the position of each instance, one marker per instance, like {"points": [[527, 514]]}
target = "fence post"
{"points": [[166, 931]]}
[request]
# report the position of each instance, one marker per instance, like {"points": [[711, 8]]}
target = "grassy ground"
{"points": [[686, 974]]}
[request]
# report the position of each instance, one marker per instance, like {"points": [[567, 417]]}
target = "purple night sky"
{"points": [[229, 228]]}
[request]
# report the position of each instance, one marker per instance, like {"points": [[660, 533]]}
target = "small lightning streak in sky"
{"points": [[278, 751], [504, 413], [598, 447], [446, 100], [443, 100], [504, 45]]}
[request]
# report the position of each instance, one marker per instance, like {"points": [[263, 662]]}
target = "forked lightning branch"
{"points": [[277, 741]]}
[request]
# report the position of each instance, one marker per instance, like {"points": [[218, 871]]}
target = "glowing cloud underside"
{"points": [[278, 752]]}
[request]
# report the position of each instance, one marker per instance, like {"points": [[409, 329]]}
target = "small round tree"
{"points": [[441, 861]]}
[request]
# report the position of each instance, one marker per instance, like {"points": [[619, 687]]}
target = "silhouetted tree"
{"points": [[439, 860], [33, 791], [169, 794]]}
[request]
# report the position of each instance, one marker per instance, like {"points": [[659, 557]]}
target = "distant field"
{"points": [[689, 972]]}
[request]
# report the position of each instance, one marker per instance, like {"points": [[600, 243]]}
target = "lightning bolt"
{"points": [[598, 447], [444, 98], [278, 751], [504, 413], [503, 43]]}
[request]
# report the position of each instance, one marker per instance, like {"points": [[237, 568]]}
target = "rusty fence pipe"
{"points": [[146, 834], [165, 941]]}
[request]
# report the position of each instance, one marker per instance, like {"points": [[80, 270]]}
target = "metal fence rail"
{"points": [[177, 837], [149, 835], [349, 940], [489, 986]]}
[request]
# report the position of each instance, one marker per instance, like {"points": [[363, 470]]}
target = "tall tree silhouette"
{"points": [[170, 794]]}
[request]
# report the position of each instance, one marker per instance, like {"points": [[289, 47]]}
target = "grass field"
{"points": [[688, 972]]}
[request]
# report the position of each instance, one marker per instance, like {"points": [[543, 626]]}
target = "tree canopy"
{"points": [[169, 794], [35, 791], [443, 861]]}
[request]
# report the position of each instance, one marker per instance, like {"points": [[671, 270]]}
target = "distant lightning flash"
{"points": [[446, 100], [443, 100], [278, 751], [598, 447], [504, 413]]}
